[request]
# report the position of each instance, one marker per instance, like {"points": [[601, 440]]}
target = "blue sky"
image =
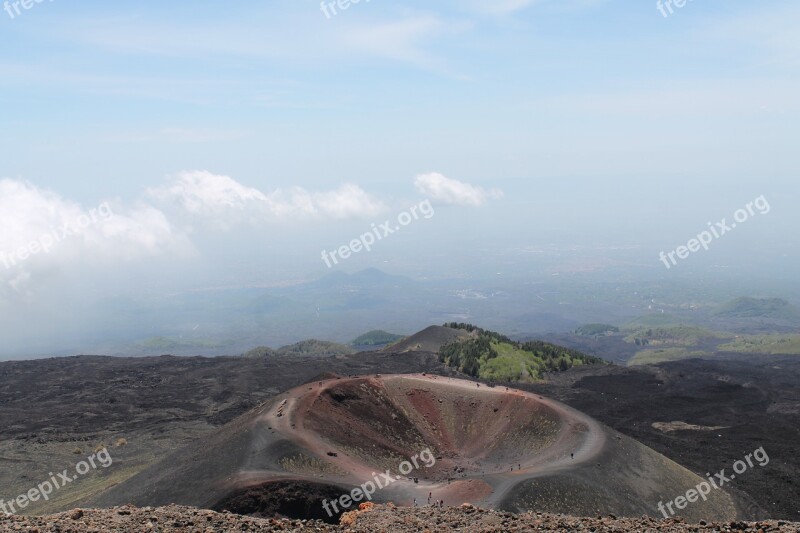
{"points": [[225, 132], [104, 98]]}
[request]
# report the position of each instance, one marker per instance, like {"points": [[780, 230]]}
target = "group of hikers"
{"points": [[436, 503]]}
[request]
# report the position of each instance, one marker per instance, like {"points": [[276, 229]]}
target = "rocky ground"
{"points": [[378, 519], [50, 410]]}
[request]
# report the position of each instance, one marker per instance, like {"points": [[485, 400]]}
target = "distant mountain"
{"points": [[745, 307], [376, 337], [311, 347]]}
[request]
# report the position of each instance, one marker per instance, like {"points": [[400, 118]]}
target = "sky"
{"points": [[202, 144]]}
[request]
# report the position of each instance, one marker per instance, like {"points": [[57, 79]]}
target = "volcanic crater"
{"points": [[489, 445]]}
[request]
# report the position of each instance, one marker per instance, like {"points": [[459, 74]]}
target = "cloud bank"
{"points": [[43, 233]]}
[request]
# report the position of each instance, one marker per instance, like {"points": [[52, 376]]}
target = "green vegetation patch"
{"points": [[494, 357], [661, 355], [593, 330], [765, 344], [315, 347], [672, 336]]}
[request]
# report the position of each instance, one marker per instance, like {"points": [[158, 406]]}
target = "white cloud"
{"points": [[348, 201], [142, 229], [42, 233], [212, 195], [45, 237], [204, 193], [296, 201], [450, 191]]}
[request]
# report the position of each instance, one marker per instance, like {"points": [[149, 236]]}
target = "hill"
{"points": [[315, 347], [591, 330], [745, 307], [430, 339], [492, 356], [376, 337]]}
